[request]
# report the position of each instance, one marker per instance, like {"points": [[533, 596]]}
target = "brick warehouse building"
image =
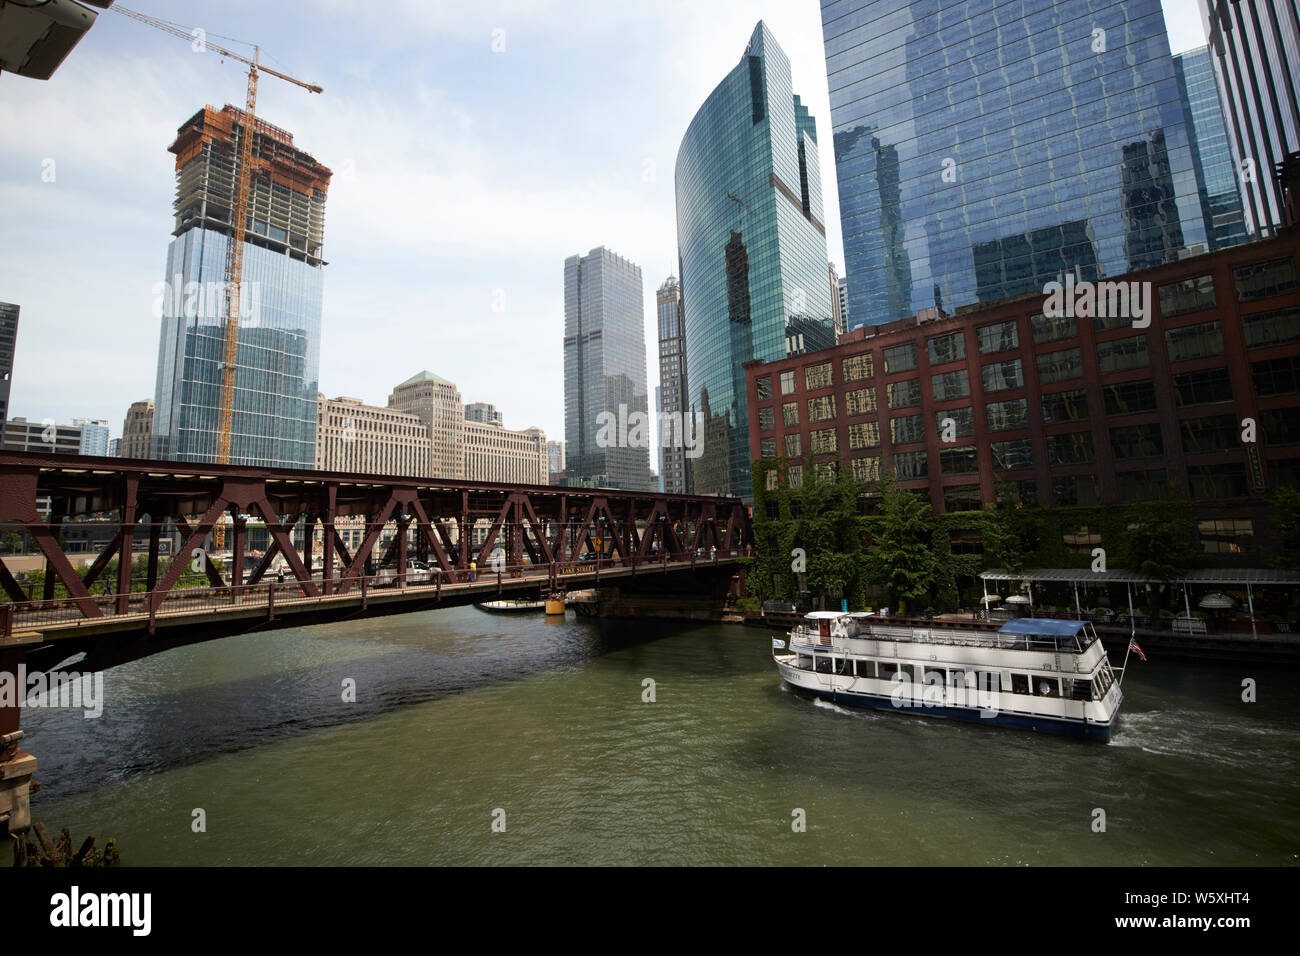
{"points": [[1075, 412]]}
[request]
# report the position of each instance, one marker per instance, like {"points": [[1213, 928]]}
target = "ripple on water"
{"points": [[459, 714], [1203, 735]]}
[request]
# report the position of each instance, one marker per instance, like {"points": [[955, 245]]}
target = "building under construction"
{"points": [[278, 358]]}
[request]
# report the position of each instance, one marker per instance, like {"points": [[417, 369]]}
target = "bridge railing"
{"points": [[34, 614]]}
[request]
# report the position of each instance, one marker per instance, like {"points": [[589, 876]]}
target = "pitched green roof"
{"points": [[425, 376]]}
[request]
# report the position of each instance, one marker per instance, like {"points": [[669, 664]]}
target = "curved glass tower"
{"points": [[752, 244], [983, 150]]}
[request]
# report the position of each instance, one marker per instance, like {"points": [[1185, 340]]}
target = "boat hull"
{"points": [[1018, 721], [493, 607]]}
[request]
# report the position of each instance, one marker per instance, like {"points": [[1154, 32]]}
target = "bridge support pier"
{"points": [[16, 765]]}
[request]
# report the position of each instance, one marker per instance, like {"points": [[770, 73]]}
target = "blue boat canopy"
{"points": [[1041, 627]]}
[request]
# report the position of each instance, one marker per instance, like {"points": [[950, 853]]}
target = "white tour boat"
{"points": [[1035, 674]]}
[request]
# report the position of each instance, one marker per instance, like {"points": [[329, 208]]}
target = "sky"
{"points": [[475, 145]]}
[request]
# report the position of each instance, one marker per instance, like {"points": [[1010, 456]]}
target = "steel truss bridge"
{"points": [[481, 540]]}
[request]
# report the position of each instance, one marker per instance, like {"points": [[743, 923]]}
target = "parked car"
{"points": [[417, 572]]}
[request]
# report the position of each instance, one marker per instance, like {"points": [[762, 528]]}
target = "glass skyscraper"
{"points": [[984, 150], [604, 372], [94, 435], [669, 394], [1216, 170], [278, 357], [752, 243], [8, 339], [1256, 50]]}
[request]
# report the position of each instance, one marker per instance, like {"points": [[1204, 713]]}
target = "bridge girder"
{"points": [[550, 524]]}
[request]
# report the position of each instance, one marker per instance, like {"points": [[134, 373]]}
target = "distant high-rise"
{"points": [[483, 413], [94, 435], [672, 384], [752, 249], [980, 156], [837, 301], [842, 295], [1216, 171], [436, 402], [555, 459], [137, 430], [8, 340], [604, 371], [1256, 50], [278, 358]]}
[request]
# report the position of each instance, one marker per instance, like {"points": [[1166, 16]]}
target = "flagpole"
{"points": [[1132, 636]]}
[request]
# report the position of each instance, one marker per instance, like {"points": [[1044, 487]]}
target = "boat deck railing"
{"points": [[972, 638], [950, 636]]}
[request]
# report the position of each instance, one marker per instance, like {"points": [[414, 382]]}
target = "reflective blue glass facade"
{"points": [[1216, 170], [752, 243], [278, 364], [985, 147]]}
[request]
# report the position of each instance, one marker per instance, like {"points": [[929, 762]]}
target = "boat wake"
{"points": [[1184, 734], [846, 711]]}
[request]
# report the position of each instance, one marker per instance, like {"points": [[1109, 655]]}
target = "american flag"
{"points": [[1133, 646]]}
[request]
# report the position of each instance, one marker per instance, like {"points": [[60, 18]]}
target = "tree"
{"points": [[1286, 518], [1159, 540], [809, 536], [902, 557], [1011, 531]]}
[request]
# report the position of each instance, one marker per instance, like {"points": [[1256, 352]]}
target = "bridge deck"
{"points": [[43, 622]]}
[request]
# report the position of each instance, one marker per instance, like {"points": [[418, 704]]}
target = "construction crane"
{"points": [[238, 222]]}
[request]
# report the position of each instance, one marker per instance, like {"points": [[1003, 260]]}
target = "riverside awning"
{"points": [[1247, 578], [1230, 577]]}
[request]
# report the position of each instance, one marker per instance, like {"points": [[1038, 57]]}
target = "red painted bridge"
{"points": [[474, 542]]}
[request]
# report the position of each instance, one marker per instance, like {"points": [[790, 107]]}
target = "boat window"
{"points": [[934, 675], [1104, 680], [1081, 690], [823, 665], [888, 670], [866, 668], [989, 681], [1046, 686], [1020, 683], [843, 666], [957, 677], [804, 661]]}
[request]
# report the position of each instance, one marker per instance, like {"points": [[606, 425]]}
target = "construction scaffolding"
{"points": [[287, 187]]}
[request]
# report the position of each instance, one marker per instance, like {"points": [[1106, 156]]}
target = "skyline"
{"points": [[517, 136]]}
